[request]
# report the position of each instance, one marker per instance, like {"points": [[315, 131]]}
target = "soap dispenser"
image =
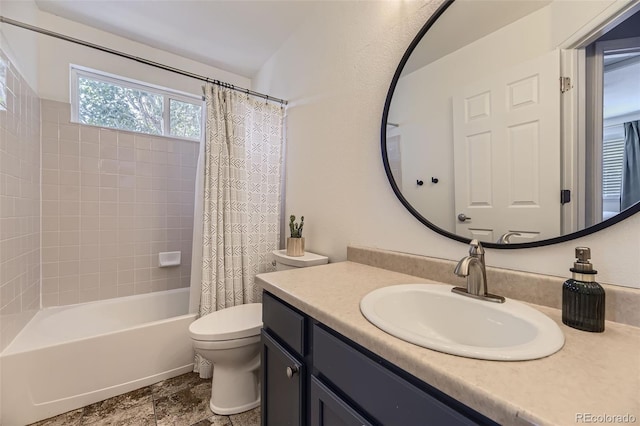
{"points": [[582, 296]]}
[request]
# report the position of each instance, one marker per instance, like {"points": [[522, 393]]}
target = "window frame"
{"points": [[77, 71]]}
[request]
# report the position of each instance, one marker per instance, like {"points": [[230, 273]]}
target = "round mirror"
{"points": [[516, 123]]}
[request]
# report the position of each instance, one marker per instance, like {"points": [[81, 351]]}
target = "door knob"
{"points": [[462, 217], [291, 371]]}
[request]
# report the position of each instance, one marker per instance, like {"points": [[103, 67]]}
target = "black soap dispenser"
{"points": [[582, 296]]}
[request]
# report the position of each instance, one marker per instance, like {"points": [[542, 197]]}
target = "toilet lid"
{"points": [[235, 322]]}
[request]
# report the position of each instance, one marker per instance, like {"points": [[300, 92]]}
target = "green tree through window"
{"points": [[185, 119], [106, 104]]}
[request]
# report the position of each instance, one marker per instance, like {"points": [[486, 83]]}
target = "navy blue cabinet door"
{"points": [[327, 409], [282, 385]]}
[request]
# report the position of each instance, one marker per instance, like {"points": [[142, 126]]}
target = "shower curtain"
{"points": [[238, 215]]}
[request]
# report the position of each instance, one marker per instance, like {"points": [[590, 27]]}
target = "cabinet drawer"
{"points": [[384, 395], [284, 322], [327, 409]]}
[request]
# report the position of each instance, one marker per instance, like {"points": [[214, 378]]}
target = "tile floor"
{"points": [[180, 401]]}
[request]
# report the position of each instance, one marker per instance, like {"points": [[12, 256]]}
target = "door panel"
{"points": [[479, 179], [507, 153]]}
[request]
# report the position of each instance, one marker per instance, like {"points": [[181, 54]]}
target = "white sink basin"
{"points": [[429, 315]]}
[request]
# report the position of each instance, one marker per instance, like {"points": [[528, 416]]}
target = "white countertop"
{"points": [[593, 374]]}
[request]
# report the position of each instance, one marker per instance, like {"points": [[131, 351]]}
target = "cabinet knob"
{"points": [[291, 371]]}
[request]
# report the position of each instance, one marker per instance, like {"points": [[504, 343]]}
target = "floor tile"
{"points": [[112, 406], [70, 418], [184, 407], [138, 415], [175, 384], [248, 418], [214, 420], [180, 401]]}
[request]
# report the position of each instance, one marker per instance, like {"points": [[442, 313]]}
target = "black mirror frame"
{"points": [[383, 137]]}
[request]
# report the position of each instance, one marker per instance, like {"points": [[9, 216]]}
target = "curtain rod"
{"points": [[138, 59]]}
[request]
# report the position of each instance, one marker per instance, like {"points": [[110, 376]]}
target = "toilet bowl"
{"points": [[230, 340]]}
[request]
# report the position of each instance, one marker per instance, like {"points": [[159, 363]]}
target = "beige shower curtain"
{"points": [[241, 204]]}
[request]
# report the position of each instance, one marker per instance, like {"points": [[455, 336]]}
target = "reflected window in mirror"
{"points": [[613, 67]]}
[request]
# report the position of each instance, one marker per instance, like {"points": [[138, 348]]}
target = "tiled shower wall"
{"points": [[111, 201], [19, 203]]}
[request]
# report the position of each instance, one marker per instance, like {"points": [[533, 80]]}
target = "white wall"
{"points": [[422, 108], [336, 71], [56, 55], [21, 46]]}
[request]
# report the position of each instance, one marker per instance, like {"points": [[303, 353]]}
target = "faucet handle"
{"points": [[475, 248], [504, 238]]}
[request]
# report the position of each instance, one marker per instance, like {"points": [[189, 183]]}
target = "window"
{"points": [[106, 100], [3, 84], [612, 163]]}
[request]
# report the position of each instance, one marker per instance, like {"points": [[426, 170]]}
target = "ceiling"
{"points": [[236, 36]]}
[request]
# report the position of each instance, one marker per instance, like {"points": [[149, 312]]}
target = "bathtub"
{"points": [[70, 356]]}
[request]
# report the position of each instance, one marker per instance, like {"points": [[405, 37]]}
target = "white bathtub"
{"points": [[71, 356]]}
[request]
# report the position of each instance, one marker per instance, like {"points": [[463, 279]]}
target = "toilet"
{"points": [[230, 340], [283, 262]]}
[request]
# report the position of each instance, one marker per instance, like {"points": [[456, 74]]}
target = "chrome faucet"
{"points": [[474, 269], [504, 238]]}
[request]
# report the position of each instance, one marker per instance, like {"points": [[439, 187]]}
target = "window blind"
{"points": [[612, 161]]}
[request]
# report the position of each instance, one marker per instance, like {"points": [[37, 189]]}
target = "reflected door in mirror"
{"points": [[506, 142]]}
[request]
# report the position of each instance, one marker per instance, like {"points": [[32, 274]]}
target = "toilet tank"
{"points": [[284, 262]]}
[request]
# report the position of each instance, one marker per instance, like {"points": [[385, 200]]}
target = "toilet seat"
{"points": [[220, 345], [236, 322]]}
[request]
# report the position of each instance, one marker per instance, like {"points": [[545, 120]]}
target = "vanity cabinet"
{"points": [[339, 383]]}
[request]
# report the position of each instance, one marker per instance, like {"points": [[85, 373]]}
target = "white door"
{"points": [[507, 153]]}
